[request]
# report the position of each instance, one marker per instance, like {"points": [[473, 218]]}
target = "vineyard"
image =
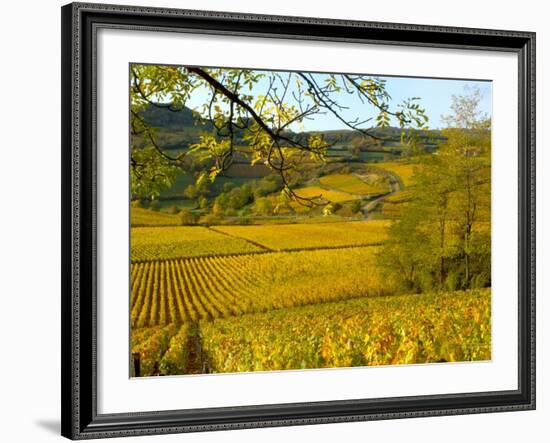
{"points": [[405, 329], [184, 241], [392, 207], [234, 298], [192, 289], [308, 236]]}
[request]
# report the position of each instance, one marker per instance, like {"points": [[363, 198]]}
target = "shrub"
{"points": [[190, 192], [187, 217], [154, 205], [267, 185], [203, 202], [228, 186], [263, 206], [355, 206], [210, 219]]}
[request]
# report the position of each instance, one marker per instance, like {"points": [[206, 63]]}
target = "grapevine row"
{"points": [[406, 329], [188, 290]]}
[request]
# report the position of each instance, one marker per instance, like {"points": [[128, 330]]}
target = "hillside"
{"points": [[178, 129]]}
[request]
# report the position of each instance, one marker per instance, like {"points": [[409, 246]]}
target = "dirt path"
{"points": [[395, 187], [196, 363]]}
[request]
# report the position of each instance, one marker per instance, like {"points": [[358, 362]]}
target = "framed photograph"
{"points": [[273, 221]]}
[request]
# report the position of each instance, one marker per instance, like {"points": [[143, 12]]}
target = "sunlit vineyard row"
{"points": [[187, 290], [151, 344], [303, 236], [184, 241], [454, 326]]}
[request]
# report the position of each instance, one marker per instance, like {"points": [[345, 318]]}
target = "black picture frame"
{"points": [[79, 172]]}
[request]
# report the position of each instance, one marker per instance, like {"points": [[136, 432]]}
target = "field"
{"points": [[432, 327], [184, 241], [326, 194], [145, 217], [188, 290], [294, 296], [308, 236], [404, 170], [352, 184]]}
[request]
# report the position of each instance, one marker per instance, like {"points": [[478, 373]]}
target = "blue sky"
{"points": [[436, 94], [435, 97]]}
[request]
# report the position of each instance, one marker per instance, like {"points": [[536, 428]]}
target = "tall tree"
{"points": [[444, 233]]}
